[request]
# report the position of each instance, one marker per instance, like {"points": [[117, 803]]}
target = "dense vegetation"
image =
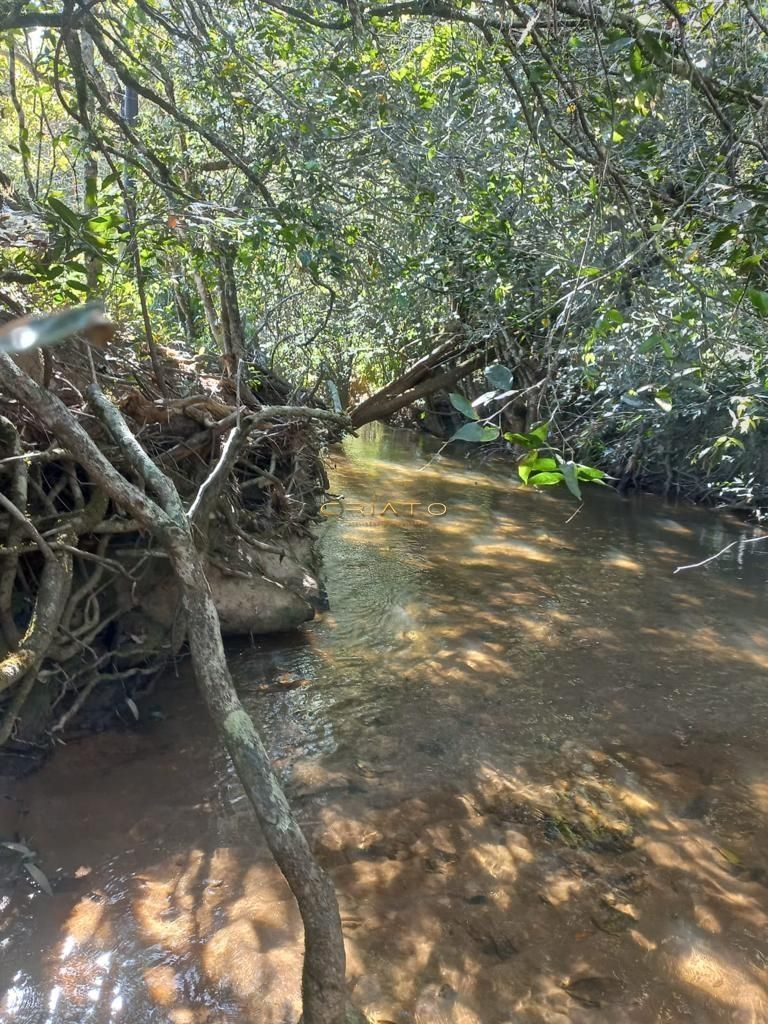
{"points": [[578, 189], [538, 226]]}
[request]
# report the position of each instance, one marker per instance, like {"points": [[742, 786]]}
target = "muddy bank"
{"points": [[534, 761]]}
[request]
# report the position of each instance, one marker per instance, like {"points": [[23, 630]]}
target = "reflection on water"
{"points": [[533, 760]]}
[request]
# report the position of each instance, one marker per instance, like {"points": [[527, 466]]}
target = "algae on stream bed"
{"points": [[534, 762]]}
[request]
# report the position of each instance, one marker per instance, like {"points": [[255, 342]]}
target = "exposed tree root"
{"points": [[254, 481]]}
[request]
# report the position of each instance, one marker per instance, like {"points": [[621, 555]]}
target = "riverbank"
{"points": [[90, 598]]}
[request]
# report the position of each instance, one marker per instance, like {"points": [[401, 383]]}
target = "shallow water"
{"points": [[533, 759]]}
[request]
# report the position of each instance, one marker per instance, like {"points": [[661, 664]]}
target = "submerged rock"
{"points": [[256, 604]]}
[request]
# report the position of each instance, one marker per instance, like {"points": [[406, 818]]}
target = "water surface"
{"points": [[533, 760]]}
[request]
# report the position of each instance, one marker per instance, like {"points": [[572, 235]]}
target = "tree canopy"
{"points": [[574, 189]]}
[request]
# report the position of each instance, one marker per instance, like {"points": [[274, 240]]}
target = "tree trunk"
{"points": [[93, 265], [323, 984], [234, 342], [381, 405]]}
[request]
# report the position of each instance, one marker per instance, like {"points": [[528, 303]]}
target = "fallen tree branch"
{"points": [[201, 509], [379, 407]]}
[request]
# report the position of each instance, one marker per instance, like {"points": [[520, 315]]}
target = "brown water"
{"points": [[534, 761]]}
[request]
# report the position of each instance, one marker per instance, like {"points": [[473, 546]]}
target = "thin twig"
{"points": [[741, 540]]}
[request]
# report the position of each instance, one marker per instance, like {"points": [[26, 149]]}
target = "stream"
{"points": [[533, 759]]}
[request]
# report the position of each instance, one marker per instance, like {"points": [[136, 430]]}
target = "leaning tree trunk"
{"points": [[160, 511], [388, 401], [323, 985]]}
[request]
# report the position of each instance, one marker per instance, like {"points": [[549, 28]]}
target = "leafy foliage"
{"points": [[583, 196]]}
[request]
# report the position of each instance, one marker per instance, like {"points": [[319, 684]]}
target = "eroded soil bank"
{"points": [[534, 761]]}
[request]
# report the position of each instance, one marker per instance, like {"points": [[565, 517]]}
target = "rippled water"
{"points": [[532, 758]]}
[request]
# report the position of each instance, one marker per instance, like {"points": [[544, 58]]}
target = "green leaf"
{"points": [[546, 479], [654, 47], [523, 439], [463, 405], [663, 399], [571, 477], [650, 344], [525, 466], [91, 191], [498, 376], [545, 463], [19, 848], [589, 473], [39, 876], [80, 286], [22, 336], [725, 234], [476, 432], [62, 210], [759, 300], [540, 432]]}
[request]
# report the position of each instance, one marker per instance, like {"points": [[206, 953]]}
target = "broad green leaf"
{"points": [[62, 210], [463, 405], [19, 848], [570, 475], [91, 191], [759, 300], [650, 344], [39, 876], [653, 45], [545, 463], [525, 466], [589, 473], [476, 432], [523, 439], [77, 284], [725, 234], [499, 376], [545, 479]]}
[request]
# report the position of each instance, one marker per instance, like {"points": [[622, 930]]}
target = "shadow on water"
{"points": [[533, 760]]}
